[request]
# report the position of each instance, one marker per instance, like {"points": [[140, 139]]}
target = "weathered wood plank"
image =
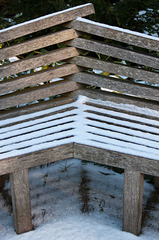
{"points": [[45, 22], [37, 43], [123, 110], [115, 33], [133, 196], [119, 85], [37, 93], [5, 114], [21, 201], [37, 78], [156, 182], [115, 68], [37, 61], [113, 51], [116, 159], [114, 97], [36, 158]]}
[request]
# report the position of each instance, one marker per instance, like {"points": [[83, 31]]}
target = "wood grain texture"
{"points": [[37, 78], [119, 69], [37, 93], [113, 51], [116, 159], [118, 34], [37, 61], [21, 201], [45, 22], [5, 114], [37, 43], [133, 196], [117, 98], [36, 158], [122, 86]]}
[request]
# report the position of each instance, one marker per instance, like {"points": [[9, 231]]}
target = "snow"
{"points": [[43, 17], [84, 124], [74, 200], [127, 31]]}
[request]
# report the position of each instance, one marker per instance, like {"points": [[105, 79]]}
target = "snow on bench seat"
{"points": [[85, 121]]}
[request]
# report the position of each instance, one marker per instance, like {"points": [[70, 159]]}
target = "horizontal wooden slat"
{"points": [[6, 114], [36, 78], [36, 158], [109, 50], [37, 61], [115, 33], [119, 85], [37, 43], [115, 68], [117, 98], [116, 159], [45, 22], [37, 93]]}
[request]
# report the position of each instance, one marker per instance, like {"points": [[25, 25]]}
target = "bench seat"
{"points": [[102, 124]]}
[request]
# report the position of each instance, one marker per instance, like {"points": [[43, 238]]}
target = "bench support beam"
{"points": [[133, 195], [21, 201]]}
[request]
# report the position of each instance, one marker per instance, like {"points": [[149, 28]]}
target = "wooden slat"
{"points": [[109, 50], [116, 159], [37, 61], [133, 196], [36, 78], [5, 114], [36, 158], [45, 22], [122, 110], [21, 201], [115, 68], [37, 43], [119, 85], [117, 98], [37, 93], [115, 33]]}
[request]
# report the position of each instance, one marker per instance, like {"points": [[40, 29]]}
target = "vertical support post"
{"points": [[21, 201], [156, 182], [133, 196]]}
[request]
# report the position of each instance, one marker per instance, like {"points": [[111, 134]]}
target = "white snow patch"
{"points": [[57, 202]]}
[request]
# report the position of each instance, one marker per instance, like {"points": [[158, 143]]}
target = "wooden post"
{"points": [[21, 201], [133, 195], [156, 182]]}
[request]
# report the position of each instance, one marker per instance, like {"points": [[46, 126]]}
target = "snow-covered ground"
{"points": [[76, 200]]}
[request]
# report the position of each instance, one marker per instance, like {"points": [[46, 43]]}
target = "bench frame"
{"points": [[76, 83]]}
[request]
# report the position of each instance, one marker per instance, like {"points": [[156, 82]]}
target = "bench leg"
{"points": [[133, 196], [156, 182], [21, 201]]}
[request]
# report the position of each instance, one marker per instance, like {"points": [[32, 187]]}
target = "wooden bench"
{"points": [[100, 111]]}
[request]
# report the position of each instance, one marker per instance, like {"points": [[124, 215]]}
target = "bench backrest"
{"points": [[38, 82], [117, 61], [121, 64]]}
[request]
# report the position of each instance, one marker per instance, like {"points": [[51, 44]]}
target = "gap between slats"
{"points": [[37, 43], [37, 93], [37, 61], [113, 51], [37, 78], [119, 69]]}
